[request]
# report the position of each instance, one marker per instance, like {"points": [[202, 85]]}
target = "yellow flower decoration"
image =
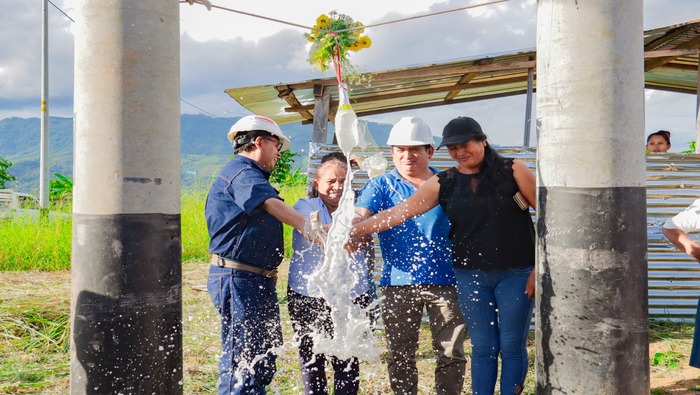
{"points": [[332, 37], [364, 42], [323, 21]]}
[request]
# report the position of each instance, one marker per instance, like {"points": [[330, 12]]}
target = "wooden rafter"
{"points": [[651, 64], [417, 92], [287, 93]]}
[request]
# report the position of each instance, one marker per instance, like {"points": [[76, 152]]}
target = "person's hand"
{"points": [[356, 160], [695, 251], [530, 285], [315, 231]]}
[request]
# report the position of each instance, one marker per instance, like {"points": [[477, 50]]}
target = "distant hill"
{"points": [[204, 147]]}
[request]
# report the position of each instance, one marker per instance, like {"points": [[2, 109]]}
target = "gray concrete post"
{"points": [[126, 303], [592, 308]]}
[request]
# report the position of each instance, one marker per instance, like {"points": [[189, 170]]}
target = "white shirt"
{"points": [[688, 220]]}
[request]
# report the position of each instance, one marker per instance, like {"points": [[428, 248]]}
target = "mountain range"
{"points": [[204, 148]]}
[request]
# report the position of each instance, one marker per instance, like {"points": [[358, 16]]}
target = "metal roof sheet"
{"points": [[670, 63]]}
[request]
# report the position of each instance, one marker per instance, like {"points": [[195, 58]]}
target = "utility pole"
{"points": [[592, 310], [44, 138], [126, 299]]}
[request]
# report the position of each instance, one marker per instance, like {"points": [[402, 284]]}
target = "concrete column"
{"points": [[697, 111], [592, 314], [44, 136], [126, 275]]}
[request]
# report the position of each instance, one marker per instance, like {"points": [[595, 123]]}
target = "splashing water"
{"points": [[352, 333]]}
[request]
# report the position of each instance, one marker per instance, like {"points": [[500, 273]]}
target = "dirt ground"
{"points": [[202, 340]]}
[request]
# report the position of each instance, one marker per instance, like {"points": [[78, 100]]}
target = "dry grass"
{"points": [[33, 363]]}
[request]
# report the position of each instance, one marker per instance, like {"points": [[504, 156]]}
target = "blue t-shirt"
{"points": [[239, 229], [417, 251], [308, 258]]}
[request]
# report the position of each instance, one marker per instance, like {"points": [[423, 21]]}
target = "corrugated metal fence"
{"points": [[673, 182]]}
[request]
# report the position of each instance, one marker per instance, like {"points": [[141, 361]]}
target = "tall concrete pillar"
{"points": [[592, 318], [126, 275]]}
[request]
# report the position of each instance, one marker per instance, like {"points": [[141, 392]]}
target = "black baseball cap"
{"points": [[460, 131]]}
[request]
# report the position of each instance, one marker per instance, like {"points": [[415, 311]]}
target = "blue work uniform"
{"points": [[240, 230]]}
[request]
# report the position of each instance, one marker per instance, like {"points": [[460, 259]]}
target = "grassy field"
{"points": [[34, 358], [30, 245]]}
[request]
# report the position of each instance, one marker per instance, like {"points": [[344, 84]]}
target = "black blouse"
{"points": [[487, 232]]}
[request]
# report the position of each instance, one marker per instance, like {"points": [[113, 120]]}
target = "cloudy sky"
{"points": [[221, 50]]}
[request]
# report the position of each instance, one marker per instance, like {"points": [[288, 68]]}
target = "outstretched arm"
{"points": [[285, 213], [423, 200], [681, 240]]}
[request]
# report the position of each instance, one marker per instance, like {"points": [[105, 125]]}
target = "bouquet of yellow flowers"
{"points": [[333, 36]]}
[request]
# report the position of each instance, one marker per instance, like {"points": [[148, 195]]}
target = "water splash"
{"points": [[352, 332]]}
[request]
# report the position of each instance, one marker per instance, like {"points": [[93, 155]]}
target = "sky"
{"points": [[221, 50]]}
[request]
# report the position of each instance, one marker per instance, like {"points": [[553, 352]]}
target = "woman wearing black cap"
{"points": [[486, 197]]}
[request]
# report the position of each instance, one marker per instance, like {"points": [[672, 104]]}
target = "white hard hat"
{"points": [[410, 131], [256, 122]]}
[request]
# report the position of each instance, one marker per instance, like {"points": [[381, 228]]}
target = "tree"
{"points": [[61, 187], [5, 176]]}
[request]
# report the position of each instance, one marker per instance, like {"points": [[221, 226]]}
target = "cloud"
{"points": [[221, 50], [20, 63]]}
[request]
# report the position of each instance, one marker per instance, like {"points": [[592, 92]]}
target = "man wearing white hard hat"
{"points": [[417, 270], [244, 215]]}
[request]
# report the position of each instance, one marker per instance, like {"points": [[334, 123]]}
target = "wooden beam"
{"points": [[464, 80], [322, 97], [671, 53], [658, 62], [439, 103], [666, 38], [651, 85], [287, 93], [423, 72], [418, 92]]}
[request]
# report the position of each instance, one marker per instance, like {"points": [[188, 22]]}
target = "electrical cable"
{"points": [[56, 7], [204, 111], [209, 6]]}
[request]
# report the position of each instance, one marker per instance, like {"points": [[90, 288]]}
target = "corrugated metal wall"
{"points": [[673, 182]]}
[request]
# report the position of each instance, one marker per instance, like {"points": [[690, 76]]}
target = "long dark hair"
{"points": [[494, 173]]}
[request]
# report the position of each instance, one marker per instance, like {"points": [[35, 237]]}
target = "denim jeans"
{"points": [[695, 350], [402, 312], [498, 315], [250, 329]]}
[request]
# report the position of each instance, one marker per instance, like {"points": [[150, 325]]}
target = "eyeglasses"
{"points": [[279, 143]]}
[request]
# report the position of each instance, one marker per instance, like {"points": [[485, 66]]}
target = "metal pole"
{"points": [[592, 322], [528, 108], [44, 139], [126, 304], [697, 111]]}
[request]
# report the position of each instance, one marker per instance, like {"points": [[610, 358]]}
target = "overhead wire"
{"points": [[209, 6], [204, 111], [56, 7]]}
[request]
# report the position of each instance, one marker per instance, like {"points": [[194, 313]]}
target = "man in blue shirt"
{"points": [[417, 268], [244, 216]]}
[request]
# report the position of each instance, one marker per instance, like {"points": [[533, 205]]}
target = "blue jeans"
{"points": [[250, 329], [695, 350], [498, 315]]}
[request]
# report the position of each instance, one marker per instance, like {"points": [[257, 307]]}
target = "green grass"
{"points": [[30, 245], [27, 244]]}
